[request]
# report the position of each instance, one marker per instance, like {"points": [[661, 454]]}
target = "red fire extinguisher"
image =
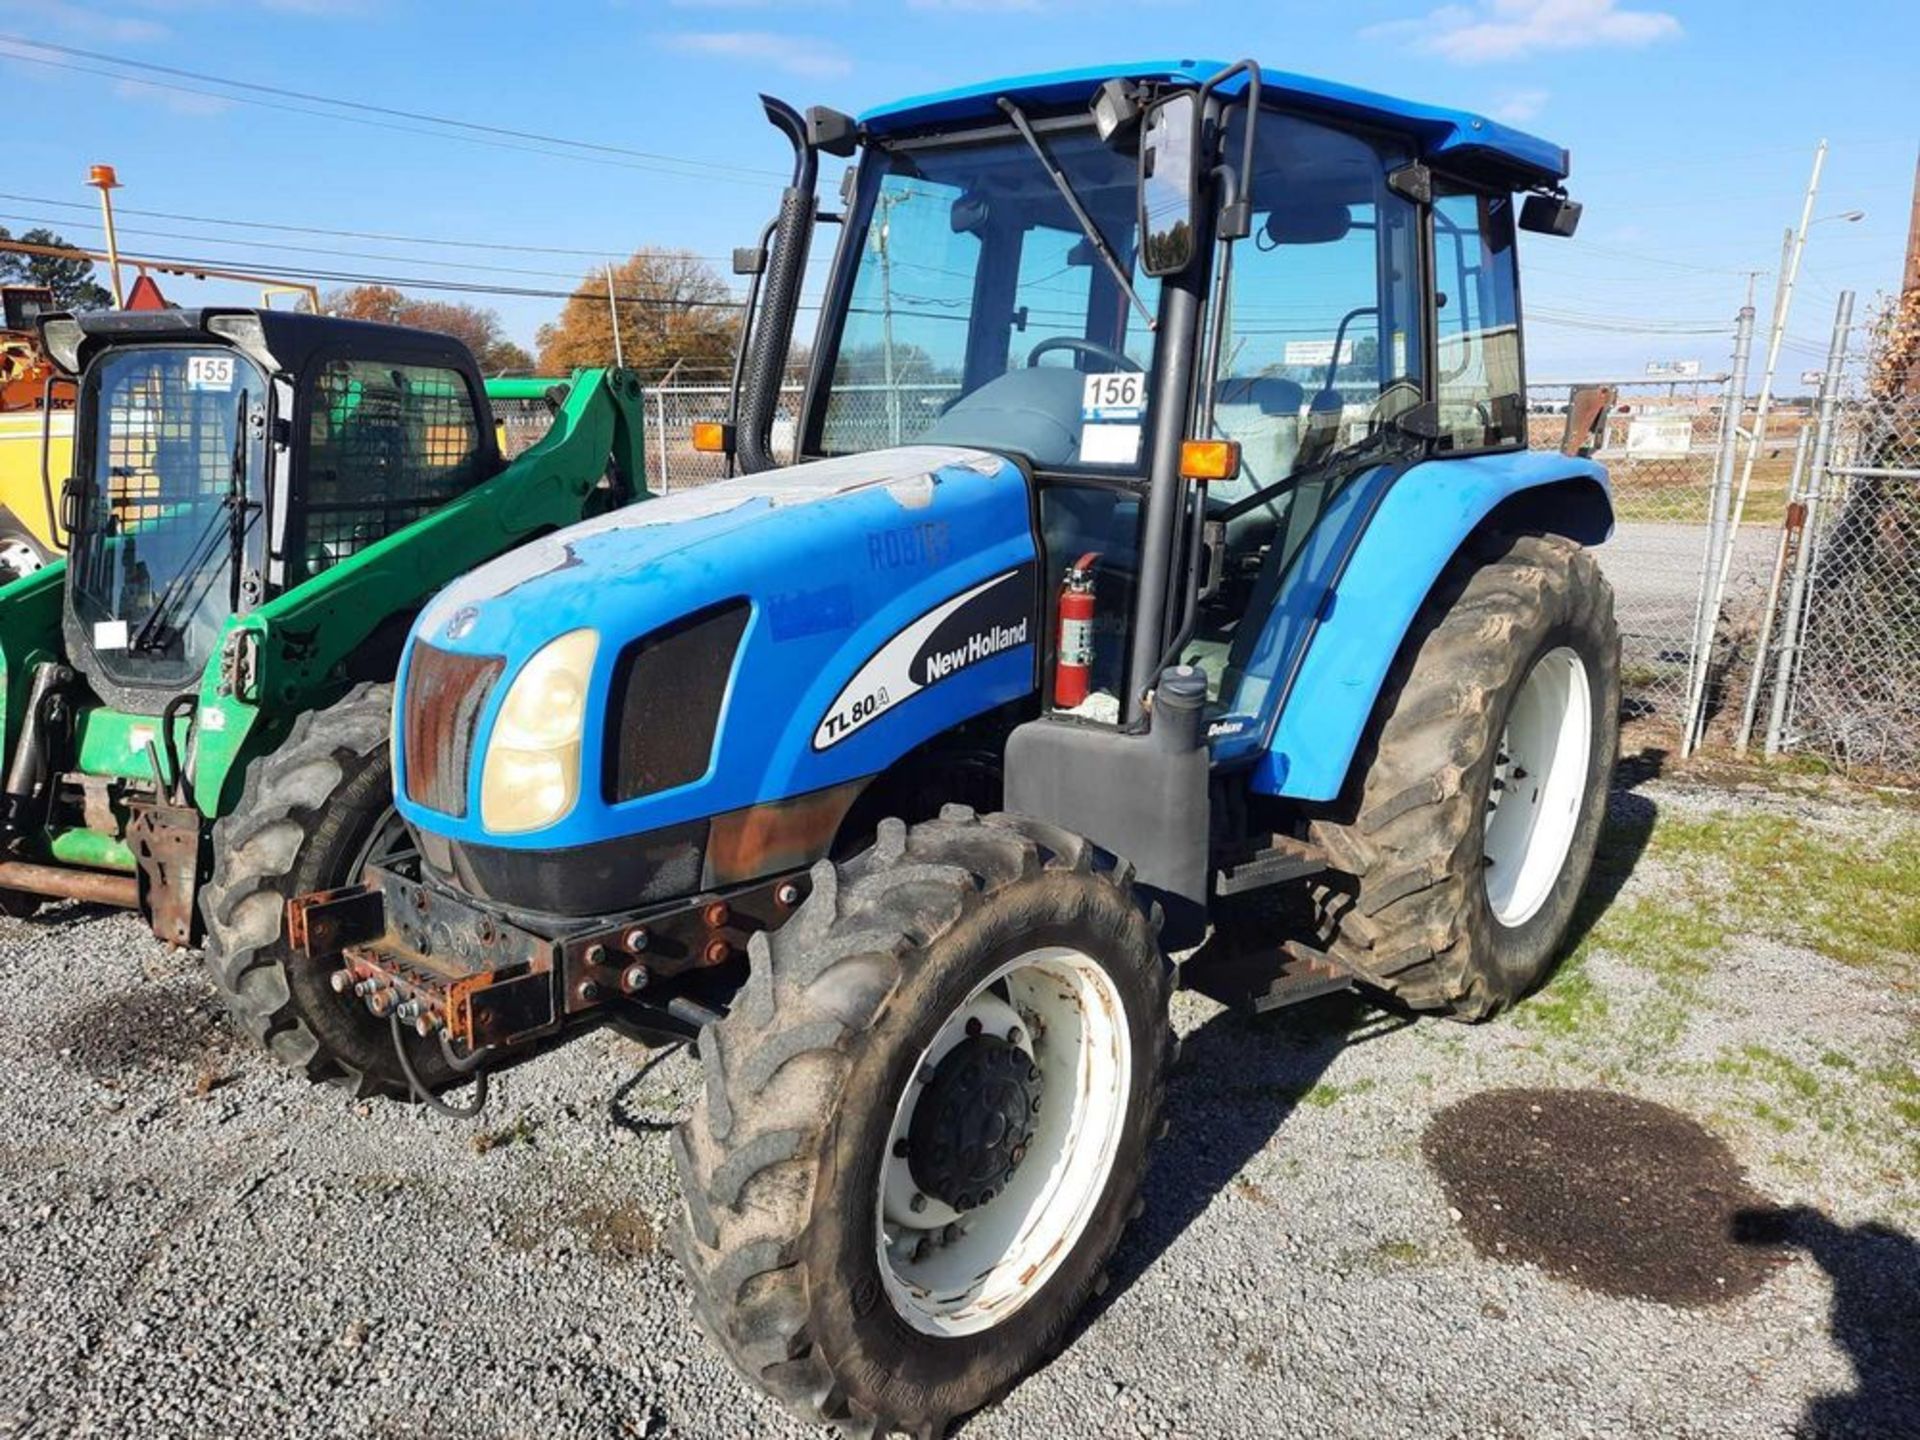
{"points": [[1073, 669]]}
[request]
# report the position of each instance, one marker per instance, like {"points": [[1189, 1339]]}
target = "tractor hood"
{"points": [[868, 603]]}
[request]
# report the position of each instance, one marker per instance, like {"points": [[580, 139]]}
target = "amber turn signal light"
{"points": [[710, 437], [1209, 459]]}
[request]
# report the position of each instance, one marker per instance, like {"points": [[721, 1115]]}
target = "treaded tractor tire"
{"points": [[1409, 911], [780, 1161], [307, 813]]}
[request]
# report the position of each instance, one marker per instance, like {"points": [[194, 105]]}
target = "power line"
{"points": [[471, 132], [598, 254], [364, 107]]}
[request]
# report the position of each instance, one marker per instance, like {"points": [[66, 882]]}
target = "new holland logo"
{"points": [[991, 619]]}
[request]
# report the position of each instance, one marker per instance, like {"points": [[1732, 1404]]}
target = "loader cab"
{"points": [[222, 457], [1086, 288]]}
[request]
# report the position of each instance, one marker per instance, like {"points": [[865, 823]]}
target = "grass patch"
{"points": [[1325, 1095], [1774, 875]]}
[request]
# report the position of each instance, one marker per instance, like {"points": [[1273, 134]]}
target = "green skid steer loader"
{"points": [[195, 704]]}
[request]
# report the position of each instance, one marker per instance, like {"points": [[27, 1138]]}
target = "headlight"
{"points": [[532, 772]]}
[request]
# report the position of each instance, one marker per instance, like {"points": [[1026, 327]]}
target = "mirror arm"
{"points": [[1092, 231], [1250, 69], [1229, 184]]}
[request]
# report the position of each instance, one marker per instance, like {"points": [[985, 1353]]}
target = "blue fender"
{"points": [[892, 596], [1312, 680]]}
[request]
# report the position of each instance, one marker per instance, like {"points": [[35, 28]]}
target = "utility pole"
{"points": [[1912, 282], [1793, 250], [883, 238], [1910, 288], [613, 311]]}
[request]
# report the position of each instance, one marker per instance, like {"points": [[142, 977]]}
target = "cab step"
{"points": [[1266, 978], [1282, 860]]}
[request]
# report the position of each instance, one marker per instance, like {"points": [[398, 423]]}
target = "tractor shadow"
{"points": [[1239, 1079], [1242, 1076], [1875, 1320]]}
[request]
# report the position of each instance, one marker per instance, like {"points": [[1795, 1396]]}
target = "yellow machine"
{"points": [[32, 413]]}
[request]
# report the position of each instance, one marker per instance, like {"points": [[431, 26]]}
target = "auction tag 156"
{"points": [[1118, 395]]}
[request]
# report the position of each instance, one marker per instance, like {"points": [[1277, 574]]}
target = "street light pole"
{"points": [[102, 178]]}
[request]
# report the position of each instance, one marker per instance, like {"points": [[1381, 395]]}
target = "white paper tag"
{"points": [[1117, 395], [110, 635], [1109, 444], [209, 372]]}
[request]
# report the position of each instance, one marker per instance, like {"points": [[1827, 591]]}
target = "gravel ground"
{"points": [[192, 1243]]}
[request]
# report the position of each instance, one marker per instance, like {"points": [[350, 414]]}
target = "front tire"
{"points": [[926, 1122], [1467, 836], [312, 815]]}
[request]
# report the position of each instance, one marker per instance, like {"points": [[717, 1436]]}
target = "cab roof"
{"points": [[1457, 136]]}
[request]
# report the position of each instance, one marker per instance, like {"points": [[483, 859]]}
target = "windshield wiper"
{"points": [[1087, 227], [233, 516]]}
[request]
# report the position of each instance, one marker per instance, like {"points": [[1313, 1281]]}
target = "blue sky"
{"points": [[1692, 125]]}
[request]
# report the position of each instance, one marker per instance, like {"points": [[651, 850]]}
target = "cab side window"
{"points": [[387, 444], [1478, 381]]}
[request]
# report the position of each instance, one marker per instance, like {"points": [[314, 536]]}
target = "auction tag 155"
{"points": [[209, 372]]}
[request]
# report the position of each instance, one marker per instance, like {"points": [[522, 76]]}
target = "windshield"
{"points": [[981, 314], [170, 475]]}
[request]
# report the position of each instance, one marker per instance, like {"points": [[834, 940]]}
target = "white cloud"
{"points": [[1512, 29], [795, 54], [1516, 107], [77, 20]]}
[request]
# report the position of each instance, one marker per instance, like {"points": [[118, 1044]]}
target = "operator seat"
{"points": [[1034, 410]]}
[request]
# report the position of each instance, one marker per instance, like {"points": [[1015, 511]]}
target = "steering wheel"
{"points": [[1081, 347]]}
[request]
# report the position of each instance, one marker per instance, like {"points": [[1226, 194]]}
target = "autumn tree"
{"points": [[71, 280], [673, 309], [476, 328]]}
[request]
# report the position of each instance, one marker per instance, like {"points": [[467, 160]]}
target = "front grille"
{"points": [[667, 693], [445, 693]]}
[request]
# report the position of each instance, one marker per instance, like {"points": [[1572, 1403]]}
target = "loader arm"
{"points": [[288, 656]]}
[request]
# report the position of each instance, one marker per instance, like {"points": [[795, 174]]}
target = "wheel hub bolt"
{"points": [[974, 1027], [900, 1148], [1014, 1037], [917, 1203]]}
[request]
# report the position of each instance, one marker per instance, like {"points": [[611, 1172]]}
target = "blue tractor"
{"points": [[1161, 541]]}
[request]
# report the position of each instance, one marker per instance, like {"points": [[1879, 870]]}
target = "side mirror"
{"points": [[1169, 184]]}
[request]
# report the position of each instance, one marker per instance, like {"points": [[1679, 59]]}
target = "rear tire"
{"points": [[808, 1270], [312, 814], [1431, 906]]}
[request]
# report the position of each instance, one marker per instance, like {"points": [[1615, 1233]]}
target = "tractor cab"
{"points": [[1195, 310], [222, 457]]}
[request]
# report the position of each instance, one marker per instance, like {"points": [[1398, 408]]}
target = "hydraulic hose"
{"points": [[419, 1087]]}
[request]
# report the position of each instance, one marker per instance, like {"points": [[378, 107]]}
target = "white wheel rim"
{"points": [[19, 559], [1539, 781], [950, 1273]]}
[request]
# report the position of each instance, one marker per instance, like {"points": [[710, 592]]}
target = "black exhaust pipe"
{"points": [[770, 336]]}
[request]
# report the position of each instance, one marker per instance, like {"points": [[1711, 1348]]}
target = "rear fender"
{"points": [[1338, 626]]}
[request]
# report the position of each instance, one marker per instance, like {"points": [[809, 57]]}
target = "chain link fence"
{"points": [[1843, 680], [1660, 446]]}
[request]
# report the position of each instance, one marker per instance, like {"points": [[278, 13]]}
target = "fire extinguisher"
{"points": [[1073, 667]]}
